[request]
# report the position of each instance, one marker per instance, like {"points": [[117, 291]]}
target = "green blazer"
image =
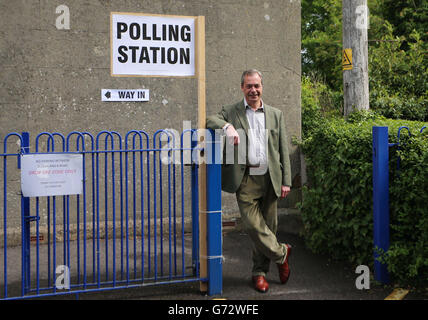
{"points": [[278, 156]]}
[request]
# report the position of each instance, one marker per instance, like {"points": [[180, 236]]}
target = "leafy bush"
{"points": [[321, 40], [318, 101], [407, 257], [399, 79], [337, 207]]}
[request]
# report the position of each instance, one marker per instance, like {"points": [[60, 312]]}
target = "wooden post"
{"points": [[200, 72], [355, 55]]}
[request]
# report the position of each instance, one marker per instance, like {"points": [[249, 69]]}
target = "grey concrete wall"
{"points": [[50, 79]]}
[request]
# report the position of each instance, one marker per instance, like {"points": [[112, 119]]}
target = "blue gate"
{"points": [[136, 222], [381, 208]]}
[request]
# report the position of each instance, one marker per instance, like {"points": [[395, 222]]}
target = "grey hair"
{"points": [[249, 73]]}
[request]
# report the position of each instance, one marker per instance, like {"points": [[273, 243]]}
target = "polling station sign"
{"points": [[152, 45], [51, 174]]}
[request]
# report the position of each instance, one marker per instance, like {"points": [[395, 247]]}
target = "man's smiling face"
{"points": [[253, 89]]}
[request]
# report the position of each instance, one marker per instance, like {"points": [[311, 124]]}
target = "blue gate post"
{"points": [[25, 214], [380, 199], [214, 218]]}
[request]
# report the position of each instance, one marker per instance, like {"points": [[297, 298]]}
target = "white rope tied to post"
{"points": [[213, 257], [210, 212]]}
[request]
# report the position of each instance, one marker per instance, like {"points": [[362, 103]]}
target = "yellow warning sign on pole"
{"points": [[347, 59]]}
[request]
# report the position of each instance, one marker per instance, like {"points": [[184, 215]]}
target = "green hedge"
{"points": [[337, 206], [399, 78]]}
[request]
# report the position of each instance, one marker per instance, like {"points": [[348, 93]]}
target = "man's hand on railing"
{"points": [[232, 135]]}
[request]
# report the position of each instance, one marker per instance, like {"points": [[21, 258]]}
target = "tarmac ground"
{"points": [[313, 277]]}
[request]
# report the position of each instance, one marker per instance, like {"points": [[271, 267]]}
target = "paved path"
{"points": [[313, 277]]}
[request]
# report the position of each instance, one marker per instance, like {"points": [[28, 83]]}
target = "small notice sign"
{"points": [[136, 95], [347, 59], [51, 174]]}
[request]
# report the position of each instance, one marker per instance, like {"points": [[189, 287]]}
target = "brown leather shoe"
{"points": [[260, 284], [283, 269]]}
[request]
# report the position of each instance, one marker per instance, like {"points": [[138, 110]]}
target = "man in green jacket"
{"points": [[259, 172]]}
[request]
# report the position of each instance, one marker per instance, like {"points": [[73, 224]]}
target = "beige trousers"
{"points": [[257, 203]]}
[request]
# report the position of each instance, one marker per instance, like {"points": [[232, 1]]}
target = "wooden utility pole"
{"points": [[355, 14]]}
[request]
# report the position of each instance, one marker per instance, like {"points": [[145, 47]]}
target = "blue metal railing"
{"points": [[380, 199], [126, 229], [381, 208]]}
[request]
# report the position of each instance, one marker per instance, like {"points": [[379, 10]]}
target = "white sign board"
{"points": [[51, 174], [136, 95], [152, 45]]}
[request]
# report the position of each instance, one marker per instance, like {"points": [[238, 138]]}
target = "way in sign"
{"points": [[130, 94], [125, 95]]}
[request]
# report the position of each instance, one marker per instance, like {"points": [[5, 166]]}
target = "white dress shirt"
{"points": [[256, 136]]}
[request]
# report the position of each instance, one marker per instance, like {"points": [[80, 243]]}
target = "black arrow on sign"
{"points": [[108, 94]]}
